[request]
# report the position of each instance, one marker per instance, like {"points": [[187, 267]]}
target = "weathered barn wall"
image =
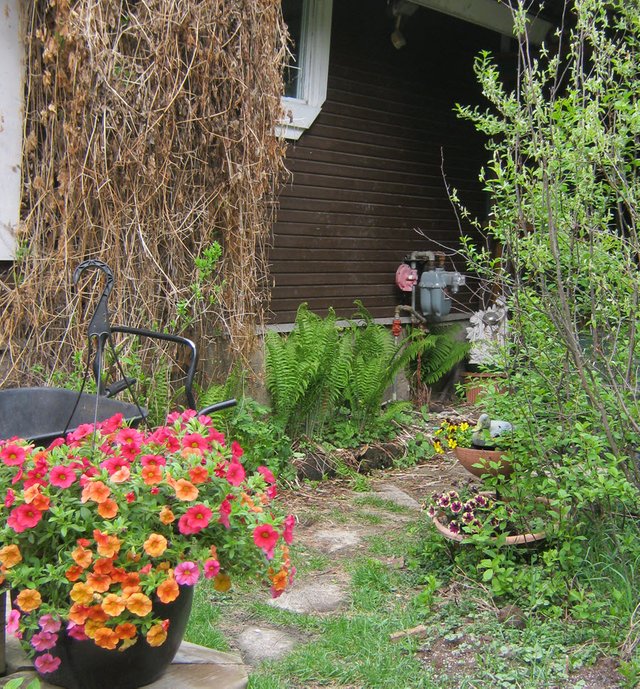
{"points": [[369, 170]]}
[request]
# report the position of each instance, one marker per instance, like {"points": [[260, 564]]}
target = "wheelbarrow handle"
{"points": [[218, 406]]}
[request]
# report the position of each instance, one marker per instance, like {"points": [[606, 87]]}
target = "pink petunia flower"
{"points": [[48, 623], [187, 573], [129, 436], [236, 450], [195, 441], [10, 498], [216, 437], [23, 517], [287, 532], [46, 663], [195, 519], [153, 460], [82, 431], [265, 537], [13, 455], [13, 622], [43, 641], [235, 473], [211, 568], [111, 424], [62, 476], [76, 631], [267, 474], [225, 512]]}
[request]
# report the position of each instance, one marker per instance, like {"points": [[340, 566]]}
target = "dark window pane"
{"points": [[292, 13]]}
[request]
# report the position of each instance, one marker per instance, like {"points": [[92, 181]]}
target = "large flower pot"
{"points": [[478, 462], [87, 666]]}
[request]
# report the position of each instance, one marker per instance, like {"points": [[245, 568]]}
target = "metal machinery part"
{"points": [[424, 271]]}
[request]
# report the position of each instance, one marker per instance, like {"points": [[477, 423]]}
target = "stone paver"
{"points": [[334, 540], [257, 644], [313, 597], [387, 491]]}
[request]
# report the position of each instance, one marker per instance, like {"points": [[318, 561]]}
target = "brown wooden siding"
{"points": [[369, 170]]}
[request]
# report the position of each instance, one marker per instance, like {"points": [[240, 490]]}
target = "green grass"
{"points": [[204, 619]]}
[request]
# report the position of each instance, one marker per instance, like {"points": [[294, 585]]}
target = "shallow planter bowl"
{"points": [[470, 456]]}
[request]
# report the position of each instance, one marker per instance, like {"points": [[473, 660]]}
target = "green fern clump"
{"points": [[320, 375]]}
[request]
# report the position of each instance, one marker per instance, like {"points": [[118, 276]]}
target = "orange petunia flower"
{"points": [[99, 583], [222, 582], [39, 501], [28, 600], [104, 566], [108, 509], [108, 546], [198, 474], [97, 614], [151, 474], [126, 630], [79, 613], [10, 556], [214, 552], [96, 491], [123, 474], [106, 638], [156, 635], [81, 593], [166, 515], [139, 604], [81, 556], [155, 545], [74, 572], [113, 604], [280, 580], [185, 490], [168, 590]]}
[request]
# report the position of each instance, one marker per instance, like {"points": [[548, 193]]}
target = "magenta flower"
{"points": [[10, 498], [195, 441], [23, 517], [236, 450], [46, 663], [62, 476], [211, 568], [216, 437], [225, 512], [265, 537], [235, 473], [187, 573], [43, 641], [12, 455], [194, 519]]}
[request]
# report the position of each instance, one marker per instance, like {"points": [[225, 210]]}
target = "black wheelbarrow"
{"points": [[41, 414]]}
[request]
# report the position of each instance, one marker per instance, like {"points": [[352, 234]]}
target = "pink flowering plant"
{"points": [[99, 526]]}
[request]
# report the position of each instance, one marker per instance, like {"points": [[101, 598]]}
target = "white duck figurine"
{"points": [[486, 429]]}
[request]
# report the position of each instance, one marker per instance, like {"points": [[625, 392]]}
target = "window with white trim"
{"points": [[309, 23]]}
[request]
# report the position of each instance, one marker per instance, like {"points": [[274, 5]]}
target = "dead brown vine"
{"points": [[149, 134]]}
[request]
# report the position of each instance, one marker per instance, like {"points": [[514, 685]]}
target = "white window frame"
{"points": [[11, 124], [300, 112]]}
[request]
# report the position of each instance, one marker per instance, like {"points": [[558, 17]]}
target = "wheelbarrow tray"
{"points": [[43, 414]]}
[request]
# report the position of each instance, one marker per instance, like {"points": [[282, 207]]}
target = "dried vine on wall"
{"points": [[148, 136]]}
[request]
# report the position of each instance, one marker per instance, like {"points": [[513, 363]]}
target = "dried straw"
{"points": [[148, 135]]}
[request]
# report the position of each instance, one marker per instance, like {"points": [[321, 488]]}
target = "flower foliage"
{"points": [[99, 526], [452, 434], [471, 512]]}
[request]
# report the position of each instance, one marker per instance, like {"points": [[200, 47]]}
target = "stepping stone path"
{"points": [[309, 598], [335, 540], [387, 491], [257, 644]]}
